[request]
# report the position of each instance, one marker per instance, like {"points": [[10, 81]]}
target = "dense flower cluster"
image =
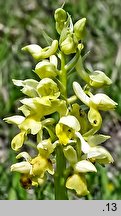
{"points": [[57, 120]]}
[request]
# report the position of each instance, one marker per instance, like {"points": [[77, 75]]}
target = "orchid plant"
{"points": [[66, 127]]}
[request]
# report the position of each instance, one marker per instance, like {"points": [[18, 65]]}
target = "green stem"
{"points": [[72, 99], [60, 180], [60, 176], [63, 75]]}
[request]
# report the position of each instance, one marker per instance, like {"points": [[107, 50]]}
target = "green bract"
{"points": [[66, 130]]}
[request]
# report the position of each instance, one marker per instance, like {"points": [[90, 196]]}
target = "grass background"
{"points": [[22, 22]]}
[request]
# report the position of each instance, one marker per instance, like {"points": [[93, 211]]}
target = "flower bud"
{"points": [[45, 69], [99, 79], [69, 45], [79, 28], [60, 15]]}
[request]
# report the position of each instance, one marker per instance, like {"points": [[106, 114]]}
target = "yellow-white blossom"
{"points": [[66, 128]]}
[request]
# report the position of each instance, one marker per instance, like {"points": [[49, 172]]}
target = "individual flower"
{"points": [[38, 53], [45, 69], [102, 102], [60, 18], [99, 101], [34, 168], [48, 88], [29, 86], [66, 128], [99, 79], [94, 153], [31, 124], [100, 155], [60, 15]]}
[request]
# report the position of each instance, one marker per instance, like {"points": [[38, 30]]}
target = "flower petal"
{"points": [[102, 102], [17, 119], [80, 93], [31, 124], [18, 141], [85, 147], [100, 155], [70, 121], [22, 167], [34, 50], [99, 79], [84, 166], [70, 154], [97, 139], [24, 155]]}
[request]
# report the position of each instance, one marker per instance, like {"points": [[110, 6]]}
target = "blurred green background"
{"points": [[21, 23]]}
